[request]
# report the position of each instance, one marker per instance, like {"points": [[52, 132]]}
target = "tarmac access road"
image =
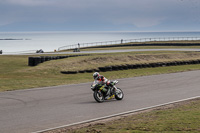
{"points": [[38, 109], [106, 51]]}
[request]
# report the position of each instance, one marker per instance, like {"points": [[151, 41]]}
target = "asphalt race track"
{"points": [[42, 108]]}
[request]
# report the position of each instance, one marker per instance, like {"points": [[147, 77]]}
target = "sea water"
{"points": [[50, 41]]}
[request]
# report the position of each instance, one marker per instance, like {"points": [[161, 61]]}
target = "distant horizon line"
{"points": [[96, 31]]}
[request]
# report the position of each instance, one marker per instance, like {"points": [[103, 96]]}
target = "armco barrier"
{"points": [[34, 61], [135, 66]]}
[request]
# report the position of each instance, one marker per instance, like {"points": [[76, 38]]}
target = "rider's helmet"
{"points": [[96, 75]]}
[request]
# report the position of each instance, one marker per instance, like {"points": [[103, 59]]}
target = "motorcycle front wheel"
{"points": [[98, 96], [119, 95]]}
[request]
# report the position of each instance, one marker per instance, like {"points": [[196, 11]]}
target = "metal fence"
{"points": [[93, 44]]}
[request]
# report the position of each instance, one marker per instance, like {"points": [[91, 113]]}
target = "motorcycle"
{"points": [[104, 92]]}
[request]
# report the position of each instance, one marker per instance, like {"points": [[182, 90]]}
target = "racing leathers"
{"points": [[104, 81]]}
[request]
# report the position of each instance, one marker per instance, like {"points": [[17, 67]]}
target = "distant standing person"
{"points": [[121, 41], [78, 46]]}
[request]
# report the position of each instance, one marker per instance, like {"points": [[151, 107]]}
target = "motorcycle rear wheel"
{"points": [[119, 95], [98, 96]]}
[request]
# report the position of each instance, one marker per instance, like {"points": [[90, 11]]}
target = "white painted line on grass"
{"points": [[114, 115]]}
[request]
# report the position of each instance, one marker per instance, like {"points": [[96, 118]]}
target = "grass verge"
{"points": [[181, 117]]}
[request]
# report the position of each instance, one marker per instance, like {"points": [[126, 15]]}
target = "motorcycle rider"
{"points": [[103, 81]]}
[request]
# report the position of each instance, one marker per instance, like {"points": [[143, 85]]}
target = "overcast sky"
{"points": [[99, 15]]}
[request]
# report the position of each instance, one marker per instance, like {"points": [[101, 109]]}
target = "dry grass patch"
{"points": [[101, 60]]}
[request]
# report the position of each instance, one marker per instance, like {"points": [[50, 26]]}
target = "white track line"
{"points": [[114, 115]]}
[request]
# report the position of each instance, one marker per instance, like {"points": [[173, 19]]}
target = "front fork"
{"points": [[113, 90], [116, 91]]}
